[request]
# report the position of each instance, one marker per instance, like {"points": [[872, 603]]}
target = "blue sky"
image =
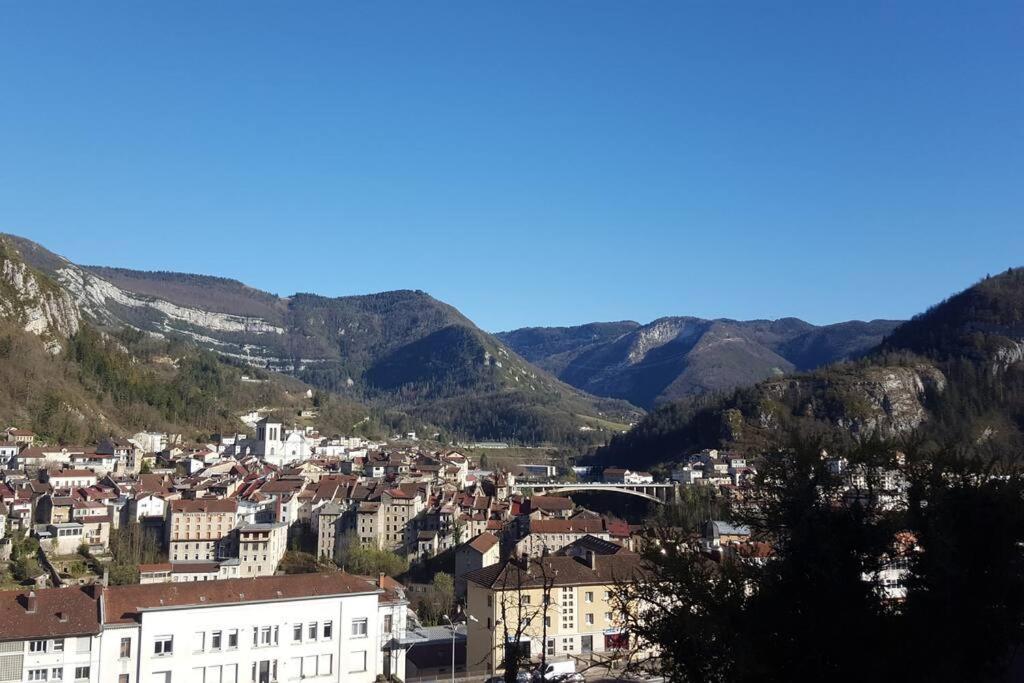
{"points": [[532, 163]]}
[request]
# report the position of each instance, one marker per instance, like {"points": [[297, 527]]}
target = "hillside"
{"points": [[399, 351], [679, 357], [953, 376]]}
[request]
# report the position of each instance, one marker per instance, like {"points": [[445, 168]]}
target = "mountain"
{"points": [[400, 351], [676, 357], [950, 377]]}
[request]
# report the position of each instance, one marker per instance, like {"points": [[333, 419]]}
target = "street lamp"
{"points": [[452, 625]]}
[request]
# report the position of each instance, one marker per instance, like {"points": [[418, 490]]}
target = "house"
{"points": [[481, 551], [22, 437]]}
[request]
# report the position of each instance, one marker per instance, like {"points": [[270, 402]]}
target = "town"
{"points": [[115, 550]]}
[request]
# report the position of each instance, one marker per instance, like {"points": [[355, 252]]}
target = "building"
{"points": [[324, 627], [71, 478], [50, 635], [481, 551], [551, 535], [197, 528], [327, 520], [8, 454], [572, 597], [261, 547]]}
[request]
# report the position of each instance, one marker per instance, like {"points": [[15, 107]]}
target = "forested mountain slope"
{"points": [[951, 377], [398, 351]]}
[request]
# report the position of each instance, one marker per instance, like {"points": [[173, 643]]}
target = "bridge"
{"points": [[658, 493]]}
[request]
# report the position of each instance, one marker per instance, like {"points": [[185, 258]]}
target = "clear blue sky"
{"points": [[531, 163]]}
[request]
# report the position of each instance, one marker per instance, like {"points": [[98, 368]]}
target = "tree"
{"points": [[438, 601], [369, 560], [731, 616], [515, 590]]}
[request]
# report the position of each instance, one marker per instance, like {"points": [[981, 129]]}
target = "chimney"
{"points": [[380, 580], [592, 560], [30, 602]]}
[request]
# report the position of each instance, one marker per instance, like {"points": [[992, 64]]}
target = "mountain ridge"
{"points": [[393, 349], [951, 377], [678, 356]]}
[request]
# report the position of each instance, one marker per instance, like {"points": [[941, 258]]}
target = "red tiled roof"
{"points": [[483, 542], [123, 604], [59, 612]]}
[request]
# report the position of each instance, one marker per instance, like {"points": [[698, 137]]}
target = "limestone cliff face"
{"points": [[35, 303], [884, 400]]}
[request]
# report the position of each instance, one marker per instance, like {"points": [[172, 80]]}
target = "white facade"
{"points": [[75, 659], [319, 638], [148, 505]]}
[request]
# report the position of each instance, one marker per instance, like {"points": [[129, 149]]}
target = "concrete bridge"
{"points": [[658, 493]]}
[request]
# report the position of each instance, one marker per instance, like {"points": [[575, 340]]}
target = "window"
{"points": [[264, 636], [199, 641], [297, 633], [359, 631], [233, 639], [526, 600], [358, 662], [589, 596], [126, 648], [58, 645], [215, 640], [57, 674], [326, 665], [490, 601], [607, 595], [163, 646], [329, 628], [388, 619], [551, 647], [312, 630], [590, 617], [123, 678], [37, 674], [37, 646], [547, 621], [81, 673], [607, 616]]}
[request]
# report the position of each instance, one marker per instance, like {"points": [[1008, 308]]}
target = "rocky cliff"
{"points": [[33, 301]]}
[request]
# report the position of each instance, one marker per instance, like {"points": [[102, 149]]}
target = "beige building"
{"points": [[260, 548], [551, 535], [569, 597], [197, 527]]}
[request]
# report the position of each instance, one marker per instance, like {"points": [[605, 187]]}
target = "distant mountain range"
{"points": [[400, 350], [951, 378], [678, 357]]}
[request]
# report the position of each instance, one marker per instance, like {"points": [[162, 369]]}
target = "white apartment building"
{"points": [[50, 635], [312, 627]]}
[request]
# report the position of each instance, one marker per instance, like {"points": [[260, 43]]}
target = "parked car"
{"points": [[557, 672], [521, 677]]}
